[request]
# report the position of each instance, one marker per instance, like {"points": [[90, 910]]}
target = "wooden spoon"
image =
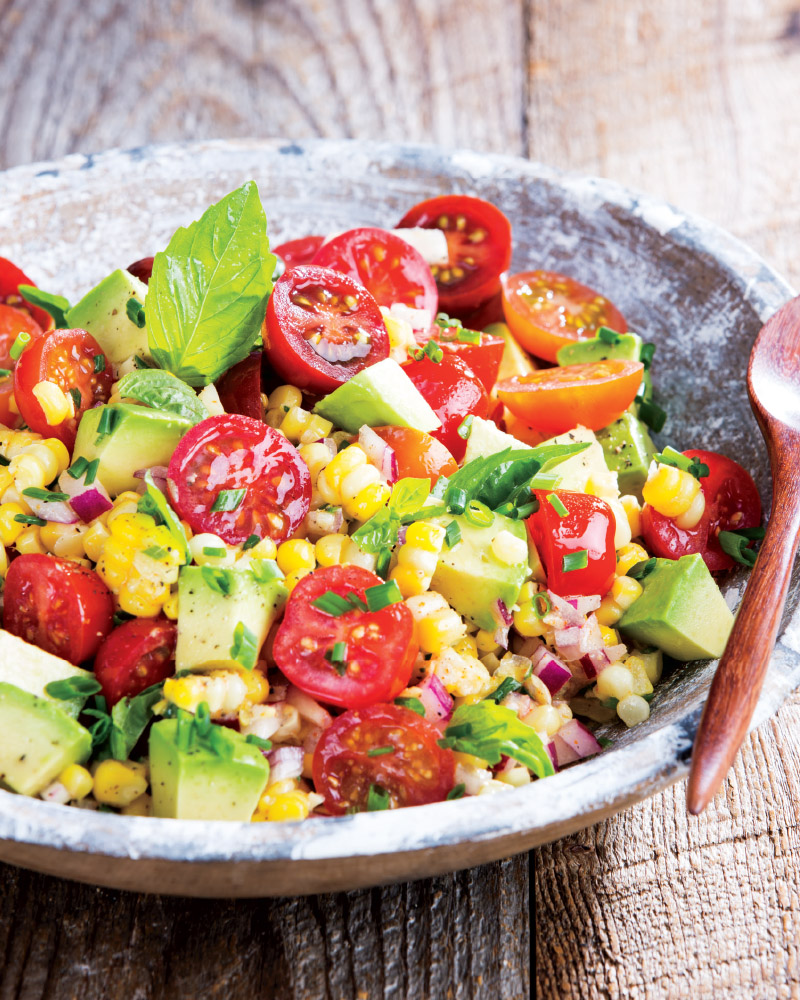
{"points": [[773, 383]]}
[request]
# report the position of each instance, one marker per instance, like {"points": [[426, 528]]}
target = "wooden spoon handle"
{"points": [[741, 671]]}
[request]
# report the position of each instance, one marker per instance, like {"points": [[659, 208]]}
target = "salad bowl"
{"points": [[696, 292]]}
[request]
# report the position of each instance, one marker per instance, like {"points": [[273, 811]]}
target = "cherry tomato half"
{"points": [[557, 399], [380, 645], [453, 391], [11, 277], [240, 387], [388, 267], [322, 327], [478, 243], [227, 453], [419, 455], [588, 526], [66, 357], [137, 654], [58, 605], [300, 251], [13, 321], [483, 357], [732, 502], [415, 772], [546, 310]]}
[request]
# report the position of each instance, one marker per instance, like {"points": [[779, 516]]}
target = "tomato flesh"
{"points": [[483, 358], [142, 269], [546, 310], [322, 328], [557, 399], [11, 277], [478, 243], [134, 656], [732, 502], [13, 321], [57, 605], [391, 269], [419, 455], [415, 772], [380, 645], [299, 251], [234, 452], [240, 387], [588, 526]]}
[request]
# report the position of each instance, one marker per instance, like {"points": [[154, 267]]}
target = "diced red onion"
{"points": [[285, 762], [519, 703], [58, 511], [323, 522], [501, 636], [551, 749], [575, 641], [56, 792], [264, 722], [577, 738], [551, 671], [501, 614], [159, 474], [308, 707], [438, 704], [563, 608], [330, 444], [380, 454], [506, 764], [563, 752], [401, 535], [311, 739], [584, 605]]}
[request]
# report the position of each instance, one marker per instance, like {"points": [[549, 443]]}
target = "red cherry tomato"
{"points": [[232, 452], [416, 772], [60, 606], [66, 357], [588, 526], [419, 455], [137, 654], [732, 502], [380, 645], [240, 387], [478, 243], [388, 267], [300, 251], [13, 321], [11, 277], [322, 327], [487, 313], [453, 391], [142, 269], [483, 357]]}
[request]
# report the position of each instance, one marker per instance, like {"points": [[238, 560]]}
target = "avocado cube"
{"points": [[39, 741], [139, 438], [103, 312], [628, 451], [32, 669], [681, 610], [583, 352], [197, 783]]}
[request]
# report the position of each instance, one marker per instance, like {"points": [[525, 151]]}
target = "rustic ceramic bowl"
{"points": [[696, 292]]}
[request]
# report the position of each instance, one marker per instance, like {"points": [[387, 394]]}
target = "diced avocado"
{"points": [[472, 578], [380, 394], [583, 352], [516, 361], [139, 437], [211, 606], [587, 471], [486, 438], [628, 451], [39, 740], [32, 669], [103, 312], [197, 783], [681, 610]]}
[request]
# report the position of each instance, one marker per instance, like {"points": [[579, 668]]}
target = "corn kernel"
{"points": [[55, 403], [296, 554], [411, 581], [257, 686], [367, 502], [265, 549], [509, 549], [117, 783], [328, 550], [422, 535], [142, 806], [625, 590], [28, 541], [466, 646], [208, 540], [58, 450], [316, 456], [641, 682], [633, 710], [486, 641], [28, 471], [77, 781], [63, 540], [616, 681], [526, 620], [10, 530], [316, 427], [292, 579], [633, 512], [438, 631], [544, 719], [170, 607], [609, 612], [461, 675], [670, 491], [515, 776], [288, 808], [285, 397], [3, 562], [690, 518], [628, 556], [341, 465], [94, 540], [610, 636]]}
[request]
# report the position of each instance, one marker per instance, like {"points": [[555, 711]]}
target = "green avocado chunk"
{"points": [[103, 312], [471, 577], [583, 352], [681, 610], [199, 783], [138, 438], [212, 603], [39, 740], [378, 395], [628, 451], [32, 669]]}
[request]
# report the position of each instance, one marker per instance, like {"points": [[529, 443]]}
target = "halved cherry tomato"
{"points": [[388, 267], [58, 605], [588, 526], [732, 502], [300, 251], [419, 455], [240, 387], [13, 321], [135, 655], [231, 452], [478, 243], [557, 399], [142, 269], [546, 310], [11, 277], [453, 391], [483, 357], [66, 357], [486, 314], [415, 772], [322, 327], [380, 645]]}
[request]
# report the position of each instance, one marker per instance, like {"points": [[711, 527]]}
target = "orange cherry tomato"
{"points": [[557, 399], [546, 310], [419, 455], [13, 321]]}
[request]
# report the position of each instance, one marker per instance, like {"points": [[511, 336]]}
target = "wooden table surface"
{"points": [[690, 101]]}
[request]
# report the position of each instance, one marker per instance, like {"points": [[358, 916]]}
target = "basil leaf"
{"points": [[381, 530], [155, 504], [208, 292], [56, 305], [129, 718], [162, 391], [489, 731]]}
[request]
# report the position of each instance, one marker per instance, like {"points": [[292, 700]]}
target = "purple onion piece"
{"points": [[59, 511], [551, 750], [577, 738], [438, 704], [285, 762], [501, 614], [570, 615], [552, 672]]}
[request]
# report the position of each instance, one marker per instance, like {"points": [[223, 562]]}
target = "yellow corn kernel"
{"points": [[265, 549], [316, 427], [142, 806], [653, 663], [609, 612], [610, 636], [356, 480], [516, 777], [328, 550], [343, 464], [142, 598], [296, 554], [670, 491], [77, 781], [117, 783], [316, 456], [461, 676], [690, 518], [440, 630], [170, 607], [28, 541], [628, 556], [527, 592], [423, 535], [208, 540], [466, 646], [284, 398], [641, 682], [292, 579], [633, 710], [616, 681], [6, 479], [633, 512], [56, 404], [28, 471], [469, 760], [63, 540], [486, 641], [10, 530], [94, 540], [527, 621], [257, 686], [625, 590], [367, 502], [288, 808], [3, 562], [59, 452], [295, 422], [544, 719], [410, 580]]}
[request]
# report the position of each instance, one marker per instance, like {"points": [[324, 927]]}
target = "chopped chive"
{"points": [[135, 311], [506, 509], [155, 551], [646, 355], [22, 340], [507, 686], [379, 751], [382, 595], [456, 792], [468, 336], [356, 601], [30, 519], [228, 500], [202, 719], [332, 604], [217, 579], [478, 514], [72, 687], [736, 544], [652, 415], [413, 704], [99, 363], [78, 467], [605, 742], [457, 501], [608, 336], [91, 472], [76, 397], [139, 362], [257, 741], [250, 542], [642, 569], [557, 504], [105, 425], [545, 481], [39, 494], [520, 513], [434, 352], [382, 564], [444, 321], [670, 456], [5, 372], [337, 654], [452, 535], [215, 551], [378, 799], [245, 646], [575, 560], [542, 605], [465, 427], [265, 570]]}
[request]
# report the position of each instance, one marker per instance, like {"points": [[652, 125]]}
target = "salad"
{"points": [[349, 524]]}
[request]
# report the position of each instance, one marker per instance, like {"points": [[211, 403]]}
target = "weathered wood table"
{"points": [[695, 102]]}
